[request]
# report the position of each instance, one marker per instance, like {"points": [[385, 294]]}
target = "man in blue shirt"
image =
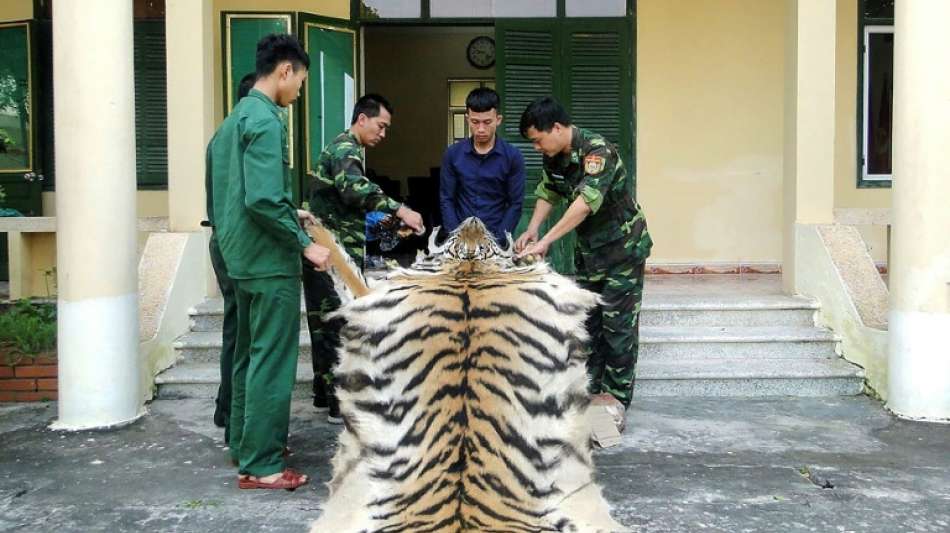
{"points": [[482, 176]]}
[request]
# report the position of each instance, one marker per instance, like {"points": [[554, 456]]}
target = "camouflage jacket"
{"points": [[341, 195], [615, 231]]}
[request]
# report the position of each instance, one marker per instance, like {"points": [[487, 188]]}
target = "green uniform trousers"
{"points": [[265, 369], [229, 332], [614, 328]]}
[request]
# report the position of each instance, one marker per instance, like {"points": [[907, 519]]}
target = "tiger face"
{"points": [[471, 243]]}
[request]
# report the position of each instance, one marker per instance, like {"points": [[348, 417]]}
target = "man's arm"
{"points": [[268, 204], [575, 214], [514, 191], [357, 190], [448, 201], [542, 208]]}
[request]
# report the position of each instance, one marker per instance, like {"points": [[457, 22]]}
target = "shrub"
{"points": [[28, 329]]}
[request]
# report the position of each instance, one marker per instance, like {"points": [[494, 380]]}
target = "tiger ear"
{"points": [[432, 248], [510, 248]]}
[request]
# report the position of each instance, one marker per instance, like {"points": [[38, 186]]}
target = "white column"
{"points": [[189, 54], [809, 154], [99, 368], [919, 359]]}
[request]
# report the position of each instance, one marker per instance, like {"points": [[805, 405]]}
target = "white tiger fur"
{"points": [[463, 387]]}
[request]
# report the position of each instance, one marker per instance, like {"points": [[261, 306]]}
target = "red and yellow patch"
{"points": [[594, 164]]}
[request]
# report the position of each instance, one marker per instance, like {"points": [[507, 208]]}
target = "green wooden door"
{"points": [[587, 64], [330, 90], [240, 34], [19, 177]]}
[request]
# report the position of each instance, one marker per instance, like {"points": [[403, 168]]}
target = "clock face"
{"points": [[481, 52]]}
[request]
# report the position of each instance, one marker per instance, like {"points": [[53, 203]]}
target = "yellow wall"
{"points": [[710, 82], [16, 10], [410, 67], [847, 193], [328, 8]]}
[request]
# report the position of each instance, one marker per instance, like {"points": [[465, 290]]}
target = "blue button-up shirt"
{"points": [[488, 186]]}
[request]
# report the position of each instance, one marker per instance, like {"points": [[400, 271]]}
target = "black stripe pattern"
{"points": [[464, 400]]}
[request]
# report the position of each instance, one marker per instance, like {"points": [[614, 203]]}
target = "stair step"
{"points": [[657, 310], [201, 380], [728, 377], [656, 343], [745, 377]]}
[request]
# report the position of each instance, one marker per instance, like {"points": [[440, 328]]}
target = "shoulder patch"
{"points": [[594, 164]]}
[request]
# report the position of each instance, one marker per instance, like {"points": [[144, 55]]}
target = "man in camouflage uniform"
{"points": [[340, 196], [585, 170]]}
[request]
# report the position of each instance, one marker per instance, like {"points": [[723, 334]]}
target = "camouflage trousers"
{"points": [[614, 328], [321, 299]]}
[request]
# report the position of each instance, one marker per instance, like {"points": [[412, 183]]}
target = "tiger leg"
{"points": [[622, 294]]}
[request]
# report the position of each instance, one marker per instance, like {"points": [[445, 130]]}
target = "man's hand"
{"points": [[530, 236], [318, 255], [305, 217], [538, 249], [411, 219]]}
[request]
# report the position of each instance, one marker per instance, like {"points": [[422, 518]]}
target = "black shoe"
{"points": [[320, 402], [333, 411]]}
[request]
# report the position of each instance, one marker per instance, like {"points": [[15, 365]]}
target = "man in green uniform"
{"points": [[583, 169], [222, 403], [340, 196], [261, 240]]}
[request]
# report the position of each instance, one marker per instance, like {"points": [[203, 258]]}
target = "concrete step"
{"points": [[745, 377], [665, 344], [724, 377], [656, 343], [657, 310], [698, 310], [201, 380], [209, 316]]}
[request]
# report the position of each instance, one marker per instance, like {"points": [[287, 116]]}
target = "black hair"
{"points": [[246, 84], [276, 48], [369, 105], [482, 99], [542, 113]]}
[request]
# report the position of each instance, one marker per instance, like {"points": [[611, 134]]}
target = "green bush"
{"points": [[28, 328]]}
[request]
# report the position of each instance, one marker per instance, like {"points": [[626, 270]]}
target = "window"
{"points": [[493, 8], [876, 96], [878, 102], [16, 98], [458, 92], [603, 8], [390, 9]]}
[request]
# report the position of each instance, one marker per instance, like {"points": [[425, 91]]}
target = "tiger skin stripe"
{"points": [[463, 390]]}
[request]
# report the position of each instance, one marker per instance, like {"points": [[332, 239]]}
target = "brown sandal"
{"points": [[289, 480]]}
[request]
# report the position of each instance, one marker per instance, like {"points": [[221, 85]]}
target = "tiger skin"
{"points": [[463, 388]]}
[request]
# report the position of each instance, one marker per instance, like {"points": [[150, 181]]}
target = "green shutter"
{"points": [[151, 105], [587, 64], [526, 68], [530, 65], [599, 80]]}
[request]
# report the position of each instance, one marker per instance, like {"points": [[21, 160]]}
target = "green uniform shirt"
{"points": [[341, 195], [615, 231], [253, 213]]}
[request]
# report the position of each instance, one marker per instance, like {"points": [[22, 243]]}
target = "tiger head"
{"points": [[470, 243]]}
